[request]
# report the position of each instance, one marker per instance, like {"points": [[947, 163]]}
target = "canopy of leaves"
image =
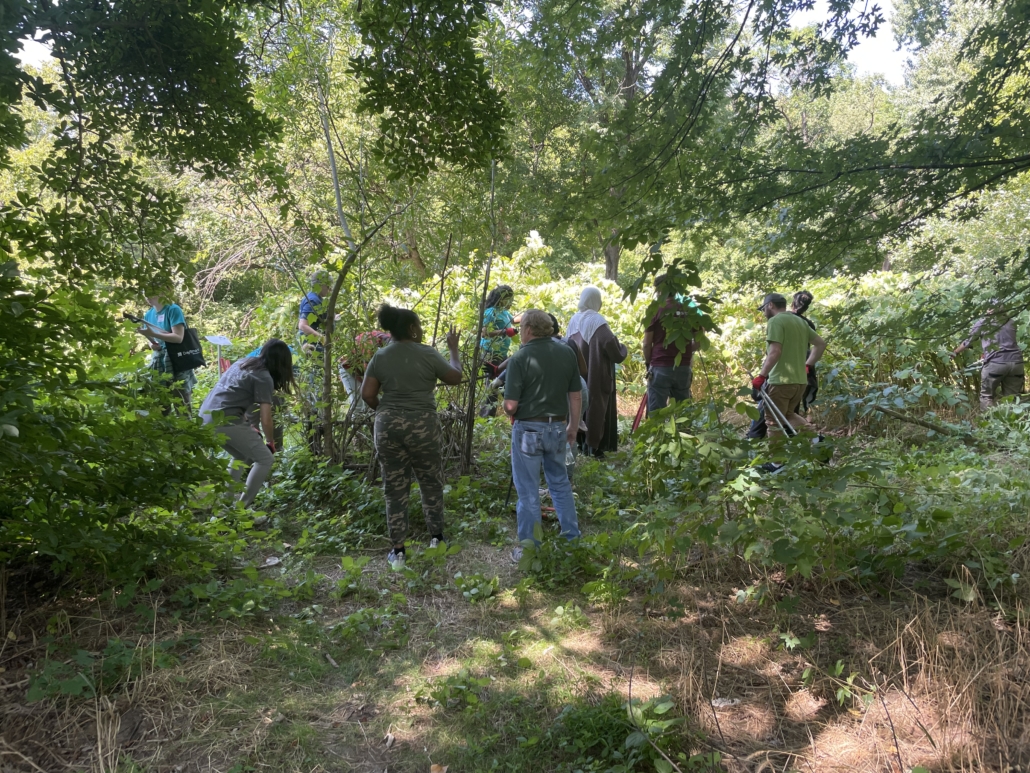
{"points": [[422, 76]]}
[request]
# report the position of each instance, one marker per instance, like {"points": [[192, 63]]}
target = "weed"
{"points": [[92, 674], [351, 582], [387, 627], [457, 691], [475, 587], [569, 617]]}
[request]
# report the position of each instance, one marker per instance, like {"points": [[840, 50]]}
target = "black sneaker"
{"points": [[770, 468]]}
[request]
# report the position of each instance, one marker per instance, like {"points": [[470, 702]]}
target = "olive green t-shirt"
{"points": [[408, 373], [794, 334], [540, 376]]}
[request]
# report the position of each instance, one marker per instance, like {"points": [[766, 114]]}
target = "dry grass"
{"points": [[937, 684]]}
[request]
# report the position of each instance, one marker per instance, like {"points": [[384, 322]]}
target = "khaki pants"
{"points": [[786, 397], [1006, 376]]}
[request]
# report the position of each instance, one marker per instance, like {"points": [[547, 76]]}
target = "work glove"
{"points": [[756, 387], [510, 332], [270, 446]]}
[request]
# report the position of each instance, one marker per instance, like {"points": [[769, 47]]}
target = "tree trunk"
{"points": [[612, 250]]}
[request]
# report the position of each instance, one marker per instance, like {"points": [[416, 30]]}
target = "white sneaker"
{"points": [[395, 560], [516, 555], [434, 542]]}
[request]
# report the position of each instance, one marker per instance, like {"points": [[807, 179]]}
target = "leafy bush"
{"points": [[325, 508]]}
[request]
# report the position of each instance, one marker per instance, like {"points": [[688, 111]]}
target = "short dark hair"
{"points": [[277, 359], [397, 322]]}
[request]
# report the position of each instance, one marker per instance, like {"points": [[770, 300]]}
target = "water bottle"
{"points": [[570, 458]]}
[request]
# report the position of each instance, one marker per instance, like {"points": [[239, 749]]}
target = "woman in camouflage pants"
{"points": [[407, 430]]}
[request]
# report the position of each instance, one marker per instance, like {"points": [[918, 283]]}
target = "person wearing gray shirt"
{"points": [[1002, 368], [249, 381]]}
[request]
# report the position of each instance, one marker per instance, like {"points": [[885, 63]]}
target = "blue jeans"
{"points": [[666, 383], [536, 443]]}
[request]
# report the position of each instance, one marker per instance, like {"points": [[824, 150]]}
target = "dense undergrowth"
{"points": [[463, 654]]}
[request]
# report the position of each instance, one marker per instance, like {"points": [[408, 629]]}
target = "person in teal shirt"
{"points": [[498, 325], [165, 322], [495, 339]]}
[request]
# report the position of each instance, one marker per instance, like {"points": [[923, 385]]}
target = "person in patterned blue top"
{"points": [[498, 325], [495, 338], [166, 322]]}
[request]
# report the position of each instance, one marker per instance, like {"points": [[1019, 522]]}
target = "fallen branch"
{"points": [[940, 428]]}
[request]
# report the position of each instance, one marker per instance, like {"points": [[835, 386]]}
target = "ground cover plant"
{"points": [[863, 609]]}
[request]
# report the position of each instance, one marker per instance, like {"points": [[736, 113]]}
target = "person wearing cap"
{"points": [[1002, 369], [542, 395], [786, 365]]}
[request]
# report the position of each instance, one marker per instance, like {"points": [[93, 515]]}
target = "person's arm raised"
{"points": [[453, 376]]}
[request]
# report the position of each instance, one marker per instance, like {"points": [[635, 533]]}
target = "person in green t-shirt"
{"points": [[787, 361], [407, 430]]}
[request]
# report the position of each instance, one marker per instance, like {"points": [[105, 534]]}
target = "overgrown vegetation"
{"points": [[864, 609]]}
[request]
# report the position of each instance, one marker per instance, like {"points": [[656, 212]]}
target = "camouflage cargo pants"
{"points": [[410, 444]]}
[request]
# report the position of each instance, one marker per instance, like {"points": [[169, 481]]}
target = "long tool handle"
{"points": [[783, 421]]}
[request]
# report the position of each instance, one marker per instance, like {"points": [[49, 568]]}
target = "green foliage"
{"points": [[619, 737], [172, 73], [460, 690], [379, 628], [328, 510], [557, 562], [428, 85], [351, 582], [92, 674], [475, 587]]}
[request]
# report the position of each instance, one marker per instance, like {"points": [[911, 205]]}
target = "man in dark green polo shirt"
{"points": [[542, 393]]}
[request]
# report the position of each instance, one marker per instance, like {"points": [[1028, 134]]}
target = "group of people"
{"points": [[559, 391]]}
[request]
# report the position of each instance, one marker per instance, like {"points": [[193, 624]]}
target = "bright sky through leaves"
{"points": [[873, 56]]}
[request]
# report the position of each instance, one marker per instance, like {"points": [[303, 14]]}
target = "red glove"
{"points": [[510, 332], [808, 369], [271, 446], [757, 381]]}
